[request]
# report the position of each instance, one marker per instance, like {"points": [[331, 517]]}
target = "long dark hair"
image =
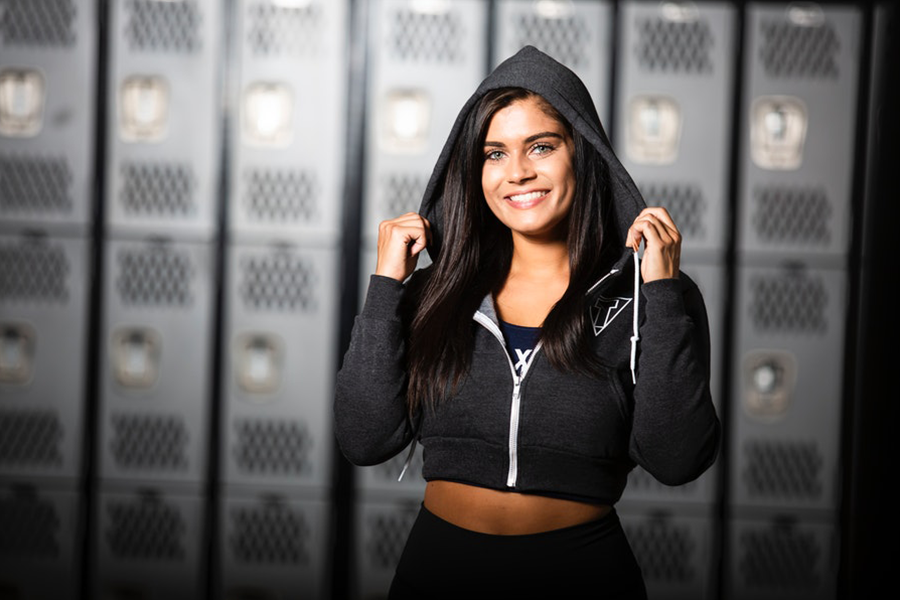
{"points": [[476, 255]]}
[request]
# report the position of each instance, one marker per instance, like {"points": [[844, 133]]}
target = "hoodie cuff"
{"points": [[665, 298], [383, 298]]}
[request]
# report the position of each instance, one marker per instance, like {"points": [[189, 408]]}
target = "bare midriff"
{"points": [[505, 513]]}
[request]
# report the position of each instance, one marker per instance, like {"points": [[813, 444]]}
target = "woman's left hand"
{"points": [[662, 243]]}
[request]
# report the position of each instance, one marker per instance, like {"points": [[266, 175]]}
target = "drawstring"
{"points": [[637, 294], [412, 450]]}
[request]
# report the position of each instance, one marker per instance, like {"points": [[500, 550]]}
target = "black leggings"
{"points": [[442, 560]]}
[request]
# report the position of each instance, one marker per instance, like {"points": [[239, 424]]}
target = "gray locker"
{"points": [[155, 361], [673, 112], [382, 527], [48, 71], [798, 129], [165, 106], [577, 34], [289, 137], [278, 365], [44, 287]]}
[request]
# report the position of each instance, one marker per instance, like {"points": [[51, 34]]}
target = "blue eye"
{"points": [[542, 148], [493, 155]]}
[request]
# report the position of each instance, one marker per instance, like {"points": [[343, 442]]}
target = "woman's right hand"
{"points": [[400, 241]]}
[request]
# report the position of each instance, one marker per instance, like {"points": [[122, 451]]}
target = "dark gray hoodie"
{"points": [[541, 430]]}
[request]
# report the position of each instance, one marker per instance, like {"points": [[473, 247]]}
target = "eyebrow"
{"points": [[528, 140]]}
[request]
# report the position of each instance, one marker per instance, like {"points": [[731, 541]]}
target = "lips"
{"points": [[527, 199]]}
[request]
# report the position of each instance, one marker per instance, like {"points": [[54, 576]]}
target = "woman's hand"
{"points": [[399, 242], [662, 243]]}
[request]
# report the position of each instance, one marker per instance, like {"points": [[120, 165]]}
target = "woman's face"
{"points": [[527, 177]]}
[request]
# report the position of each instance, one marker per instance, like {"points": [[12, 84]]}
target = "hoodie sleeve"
{"points": [[370, 415], [675, 430]]}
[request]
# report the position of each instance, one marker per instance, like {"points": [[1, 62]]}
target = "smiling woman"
{"points": [[506, 359]]}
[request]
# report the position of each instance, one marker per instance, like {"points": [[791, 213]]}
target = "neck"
{"points": [[539, 259]]}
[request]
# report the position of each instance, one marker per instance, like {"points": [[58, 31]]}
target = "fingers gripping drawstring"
{"points": [[635, 337]]}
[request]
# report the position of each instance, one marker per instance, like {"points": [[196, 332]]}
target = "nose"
{"points": [[519, 168]]}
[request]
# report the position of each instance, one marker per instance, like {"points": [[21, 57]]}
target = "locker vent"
{"points": [[427, 37], [30, 437], [389, 471], [779, 558], [159, 190], [564, 39], [663, 549], [386, 533], [788, 50], [278, 281], [783, 469], [674, 46], [155, 276], [272, 447], [641, 481], [270, 534], [30, 185], [284, 29], [149, 442], [154, 26], [402, 193], [788, 302], [795, 215], [147, 529], [30, 527], [37, 23], [281, 196], [33, 271], [685, 203]]}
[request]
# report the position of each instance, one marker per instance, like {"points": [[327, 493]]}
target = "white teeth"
{"points": [[527, 197]]}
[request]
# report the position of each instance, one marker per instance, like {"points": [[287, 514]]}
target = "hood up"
{"points": [[533, 70]]}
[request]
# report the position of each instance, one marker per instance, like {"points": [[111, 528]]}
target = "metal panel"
{"points": [[577, 34], [164, 117], [798, 129], [673, 112], [155, 361], [425, 59], [381, 531], [44, 286], [48, 71], [273, 546], [787, 387], [40, 547], [289, 136], [279, 365], [149, 544]]}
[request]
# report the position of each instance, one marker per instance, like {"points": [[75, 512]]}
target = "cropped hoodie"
{"points": [[541, 430]]}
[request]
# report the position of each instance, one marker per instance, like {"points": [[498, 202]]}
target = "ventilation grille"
{"points": [[149, 442], [158, 189], [795, 215], [35, 185], [641, 481], [788, 303], [278, 282], [154, 26], [674, 46], [564, 39], [270, 534], [281, 196], [30, 437], [270, 447], [155, 276], [390, 470], [427, 37], [147, 529], [30, 527], [783, 469], [685, 203], [402, 193], [779, 558], [663, 550], [787, 50], [37, 23], [386, 536], [284, 29], [33, 271]]}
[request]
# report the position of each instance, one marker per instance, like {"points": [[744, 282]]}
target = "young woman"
{"points": [[536, 360]]}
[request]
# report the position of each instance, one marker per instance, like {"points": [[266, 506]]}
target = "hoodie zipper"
{"points": [[513, 472]]}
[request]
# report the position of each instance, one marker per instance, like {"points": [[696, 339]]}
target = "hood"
{"points": [[533, 70]]}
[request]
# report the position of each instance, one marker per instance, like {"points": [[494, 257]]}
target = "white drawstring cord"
{"points": [[412, 450], [637, 294]]}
